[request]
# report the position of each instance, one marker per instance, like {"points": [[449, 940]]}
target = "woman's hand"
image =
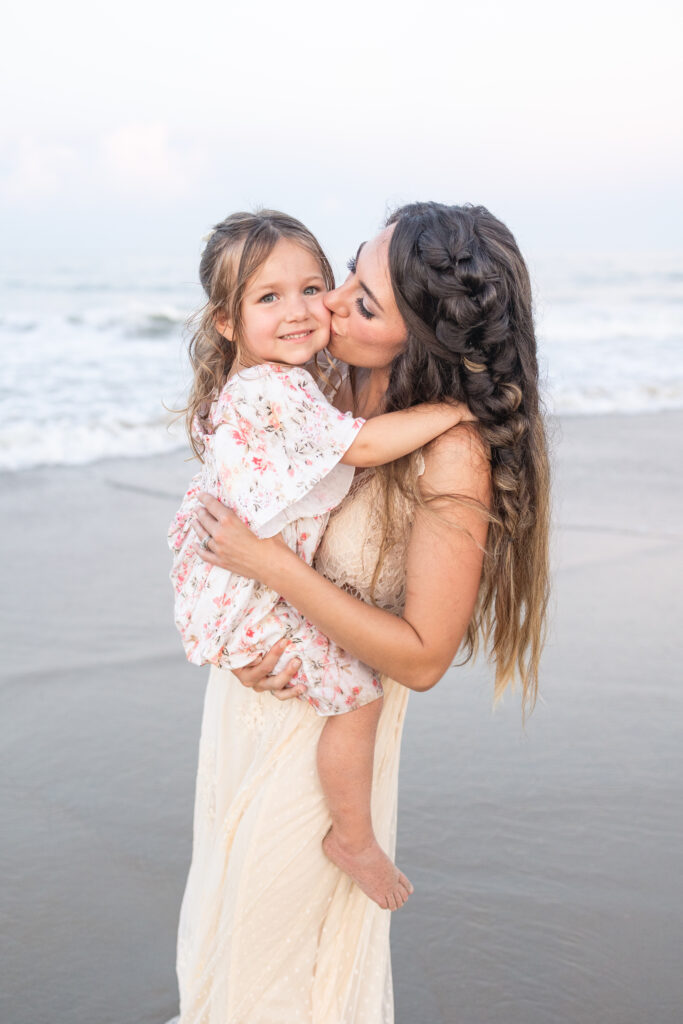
{"points": [[256, 674], [227, 542]]}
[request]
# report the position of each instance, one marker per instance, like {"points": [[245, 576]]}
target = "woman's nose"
{"points": [[336, 300]]}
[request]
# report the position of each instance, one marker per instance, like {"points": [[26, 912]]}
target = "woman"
{"points": [[439, 550]]}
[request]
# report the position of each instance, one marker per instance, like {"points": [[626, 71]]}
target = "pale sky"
{"points": [[138, 125]]}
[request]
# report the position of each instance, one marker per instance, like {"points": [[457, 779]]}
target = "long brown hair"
{"points": [[235, 249], [463, 290]]}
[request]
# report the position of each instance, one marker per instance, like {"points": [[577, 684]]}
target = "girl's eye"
{"points": [[268, 298], [351, 264], [362, 309], [311, 290]]}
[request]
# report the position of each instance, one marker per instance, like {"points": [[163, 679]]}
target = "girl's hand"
{"points": [[227, 542], [465, 415], [256, 674]]}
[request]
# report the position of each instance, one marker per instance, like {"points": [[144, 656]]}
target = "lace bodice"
{"points": [[350, 547]]}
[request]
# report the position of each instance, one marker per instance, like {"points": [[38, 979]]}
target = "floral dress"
{"points": [[272, 455]]}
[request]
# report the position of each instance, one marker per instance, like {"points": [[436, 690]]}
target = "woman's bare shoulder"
{"points": [[458, 461]]}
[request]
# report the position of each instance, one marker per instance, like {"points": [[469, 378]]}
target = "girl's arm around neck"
{"points": [[394, 434], [443, 571]]}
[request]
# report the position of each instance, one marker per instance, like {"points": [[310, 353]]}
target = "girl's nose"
{"points": [[296, 308]]}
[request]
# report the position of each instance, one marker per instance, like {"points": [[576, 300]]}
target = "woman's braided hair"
{"points": [[463, 290]]}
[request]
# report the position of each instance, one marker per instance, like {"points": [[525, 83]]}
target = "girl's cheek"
{"points": [[320, 310]]}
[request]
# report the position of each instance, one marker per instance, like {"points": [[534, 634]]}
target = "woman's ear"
{"points": [[223, 325]]}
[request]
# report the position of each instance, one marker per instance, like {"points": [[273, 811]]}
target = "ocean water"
{"points": [[610, 333], [93, 357], [92, 361]]}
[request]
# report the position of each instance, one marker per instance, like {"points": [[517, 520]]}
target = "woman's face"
{"points": [[367, 328]]}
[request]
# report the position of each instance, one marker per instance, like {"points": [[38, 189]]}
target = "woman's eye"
{"points": [[268, 298], [351, 265], [362, 309], [311, 290]]}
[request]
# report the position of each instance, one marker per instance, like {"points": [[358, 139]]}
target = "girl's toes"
{"points": [[405, 883], [404, 891]]}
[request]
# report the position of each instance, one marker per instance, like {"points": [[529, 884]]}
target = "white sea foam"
{"points": [[610, 334], [89, 360], [88, 367]]}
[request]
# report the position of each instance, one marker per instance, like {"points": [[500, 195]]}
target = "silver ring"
{"points": [[205, 543]]}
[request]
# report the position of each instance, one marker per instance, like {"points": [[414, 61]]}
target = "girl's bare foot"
{"points": [[371, 870]]}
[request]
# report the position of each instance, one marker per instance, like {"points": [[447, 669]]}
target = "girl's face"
{"points": [[367, 328], [284, 319]]}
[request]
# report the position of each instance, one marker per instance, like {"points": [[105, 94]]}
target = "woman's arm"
{"points": [[442, 575], [393, 434]]}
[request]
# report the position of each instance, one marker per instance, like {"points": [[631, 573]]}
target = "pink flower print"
{"points": [[222, 601], [249, 632], [262, 465], [244, 431], [275, 418]]}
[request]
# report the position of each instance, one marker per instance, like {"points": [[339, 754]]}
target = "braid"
{"points": [[463, 290]]}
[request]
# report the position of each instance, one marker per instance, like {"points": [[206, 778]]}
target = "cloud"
{"points": [[131, 161], [38, 170], [140, 160]]}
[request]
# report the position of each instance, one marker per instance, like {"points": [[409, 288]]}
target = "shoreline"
{"points": [[176, 451]]}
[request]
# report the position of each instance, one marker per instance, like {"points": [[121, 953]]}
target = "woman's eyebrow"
{"points": [[363, 284]]}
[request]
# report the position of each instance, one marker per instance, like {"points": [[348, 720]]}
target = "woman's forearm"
{"points": [[386, 642]]}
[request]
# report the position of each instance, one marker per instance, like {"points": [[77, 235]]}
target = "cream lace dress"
{"points": [[270, 931]]}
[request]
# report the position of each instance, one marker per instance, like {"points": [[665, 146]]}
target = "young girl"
{"points": [[282, 457]]}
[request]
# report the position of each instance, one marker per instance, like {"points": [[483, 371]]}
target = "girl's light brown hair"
{"points": [[463, 290], [235, 250]]}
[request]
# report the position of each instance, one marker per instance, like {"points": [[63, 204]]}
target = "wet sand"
{"points": [[545, 861]]}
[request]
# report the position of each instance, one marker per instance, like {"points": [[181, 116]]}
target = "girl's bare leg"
{"points": [[345, 756]]}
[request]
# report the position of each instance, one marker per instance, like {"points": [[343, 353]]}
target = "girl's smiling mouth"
{"points": [[298, 336]]}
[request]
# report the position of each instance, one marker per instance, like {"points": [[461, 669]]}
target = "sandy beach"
{"points": [[545, 860]]}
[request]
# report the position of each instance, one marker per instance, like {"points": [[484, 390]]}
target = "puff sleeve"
{"points": [[277, 443]]}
